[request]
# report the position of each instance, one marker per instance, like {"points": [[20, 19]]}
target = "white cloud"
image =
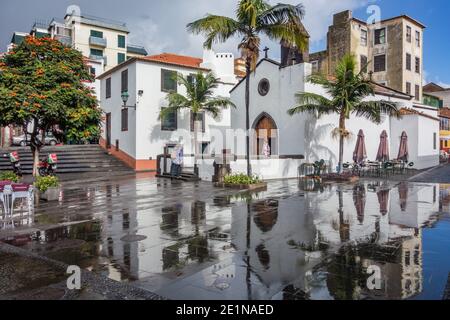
{"points": [[161, 26]]}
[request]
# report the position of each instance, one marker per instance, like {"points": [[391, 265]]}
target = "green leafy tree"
{"points": [[43, 88], [348, 90], [199, 99], [254, 18]]}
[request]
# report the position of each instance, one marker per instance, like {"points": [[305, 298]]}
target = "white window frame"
{"points": [[385, 36]]}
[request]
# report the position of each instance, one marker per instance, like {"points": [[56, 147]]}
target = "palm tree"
{"points": [[281, 22], [347, 89], [199, 99]]}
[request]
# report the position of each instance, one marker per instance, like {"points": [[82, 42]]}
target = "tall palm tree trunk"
{"points": [[341, 142], [195, 143], [247, 113]]}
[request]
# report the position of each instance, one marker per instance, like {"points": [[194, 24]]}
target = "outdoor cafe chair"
{"points": [[388, 168], [5, 192], [22, 191]]}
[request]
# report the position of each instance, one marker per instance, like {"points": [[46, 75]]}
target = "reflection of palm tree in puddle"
{"points": [[345, 274], [344, 225]]}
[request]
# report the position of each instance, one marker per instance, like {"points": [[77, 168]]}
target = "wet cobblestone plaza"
{"points": [[193, 241]]}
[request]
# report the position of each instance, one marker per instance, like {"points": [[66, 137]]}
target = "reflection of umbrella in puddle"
{"points": [[403, 195], [383, 199], [266, 216], [263, 255], [359, 199]]}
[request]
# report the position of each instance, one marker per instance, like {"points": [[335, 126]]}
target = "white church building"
{"points": [[302, 138]]}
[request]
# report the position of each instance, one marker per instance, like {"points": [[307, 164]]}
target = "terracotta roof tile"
{"points": [[174, 59]]}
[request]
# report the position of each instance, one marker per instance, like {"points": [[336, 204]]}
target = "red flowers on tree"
{"points": [[42, 88]]}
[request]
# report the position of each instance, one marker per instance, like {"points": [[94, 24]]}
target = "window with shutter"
{"points": [[169, 122], [108, 88], [380, 36], [379, 63], [124, 81], [408, 61], [121, 41], [125, 119], [168, 80]]}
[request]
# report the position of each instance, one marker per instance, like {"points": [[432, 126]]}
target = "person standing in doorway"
{"points": [[266, 148], [177, 161]]}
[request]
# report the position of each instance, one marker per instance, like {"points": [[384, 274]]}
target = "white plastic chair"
{"points": [[23, 192]]}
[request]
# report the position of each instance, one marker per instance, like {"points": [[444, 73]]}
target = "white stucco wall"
{"points": [[113, 105], [284, 83], [145, 140]]}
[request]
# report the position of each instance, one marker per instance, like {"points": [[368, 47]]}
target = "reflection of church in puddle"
{"points": [[324, 243]]}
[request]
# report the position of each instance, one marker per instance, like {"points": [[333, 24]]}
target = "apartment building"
{"points": [[439, 92], [97, 38], [391, 51]]}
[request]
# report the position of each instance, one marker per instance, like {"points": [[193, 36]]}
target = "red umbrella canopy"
{"points": [[403, 153], [383, 149], [360, 153]]}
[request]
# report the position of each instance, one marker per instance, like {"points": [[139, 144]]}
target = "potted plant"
{"points": [[9, 176], [242, 181], [48, 187]]}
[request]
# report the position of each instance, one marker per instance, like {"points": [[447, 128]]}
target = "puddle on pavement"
{"points": [[292, 242]]}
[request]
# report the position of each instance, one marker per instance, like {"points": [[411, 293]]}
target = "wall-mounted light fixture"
{"points": [[125, 96]]}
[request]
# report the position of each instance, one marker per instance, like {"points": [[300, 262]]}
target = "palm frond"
{"points": [[217, 29], [376, 110], [249, 10], [290, 33], [320, 79], [167, 111], [312, 103], [282, 13]]}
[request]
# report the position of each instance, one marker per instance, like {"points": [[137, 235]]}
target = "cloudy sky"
{"points": [[159, 25]]}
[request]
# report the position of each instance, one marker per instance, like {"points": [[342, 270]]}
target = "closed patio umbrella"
{"points": [[360, 154], [359, 199], [383, 149], [403, 153]]}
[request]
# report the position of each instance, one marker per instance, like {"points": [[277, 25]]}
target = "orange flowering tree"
{"points": [[43, 88]]}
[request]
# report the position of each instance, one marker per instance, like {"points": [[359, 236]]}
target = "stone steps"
{"points": [[71, 159]]}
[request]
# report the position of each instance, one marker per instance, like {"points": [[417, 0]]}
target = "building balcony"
{"points": [[65, 40], [95, 57], [99, 42], [134, 49]]}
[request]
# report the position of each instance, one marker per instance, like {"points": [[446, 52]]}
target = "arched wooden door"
{"points": [[265, 136]]}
